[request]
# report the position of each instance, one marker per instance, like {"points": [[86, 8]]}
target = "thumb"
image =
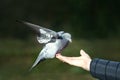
{"points": [[83, 53]]}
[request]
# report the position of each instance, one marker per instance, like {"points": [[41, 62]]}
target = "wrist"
{"points": [[88, 65]]}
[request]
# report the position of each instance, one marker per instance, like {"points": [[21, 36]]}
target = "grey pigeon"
{"points": [[54, 42]]}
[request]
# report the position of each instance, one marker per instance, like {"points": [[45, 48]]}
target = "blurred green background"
{"points": [[94, 25]]}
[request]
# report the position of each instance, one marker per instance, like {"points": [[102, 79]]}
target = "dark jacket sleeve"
{"points": [[105, 69]]}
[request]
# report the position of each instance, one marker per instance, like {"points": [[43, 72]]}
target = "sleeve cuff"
{"points": [[98, 68], [105, 69]]}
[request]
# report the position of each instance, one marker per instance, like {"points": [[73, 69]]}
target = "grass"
{"points": [[16, 58]]}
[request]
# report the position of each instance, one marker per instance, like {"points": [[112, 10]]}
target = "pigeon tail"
{"points": [[36, 63]]}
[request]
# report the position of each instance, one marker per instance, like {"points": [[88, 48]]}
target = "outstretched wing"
{"points": [[44, 35]]}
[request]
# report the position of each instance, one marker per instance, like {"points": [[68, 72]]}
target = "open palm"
{"points": [[82, 61]]}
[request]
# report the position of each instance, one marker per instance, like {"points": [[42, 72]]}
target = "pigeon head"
{"points": [[67, 36]]}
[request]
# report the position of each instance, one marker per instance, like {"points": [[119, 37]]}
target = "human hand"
{"points": [[82, 61]]}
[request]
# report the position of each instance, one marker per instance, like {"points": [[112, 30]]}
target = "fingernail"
{"points": [[57, 55]]}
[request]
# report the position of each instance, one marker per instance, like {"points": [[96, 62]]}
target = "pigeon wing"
{"points": [[44, 35]]}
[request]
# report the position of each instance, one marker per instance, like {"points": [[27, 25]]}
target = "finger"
{"points": [[59, 55], [63, 58]]}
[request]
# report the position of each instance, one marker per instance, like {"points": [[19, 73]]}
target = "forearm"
{"points": [[105, 69]]}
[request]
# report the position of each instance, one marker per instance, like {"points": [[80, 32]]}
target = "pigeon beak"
{"points": [[70, 40]]}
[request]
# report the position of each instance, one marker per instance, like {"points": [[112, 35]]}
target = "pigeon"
{"points": [[54, 42]]}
